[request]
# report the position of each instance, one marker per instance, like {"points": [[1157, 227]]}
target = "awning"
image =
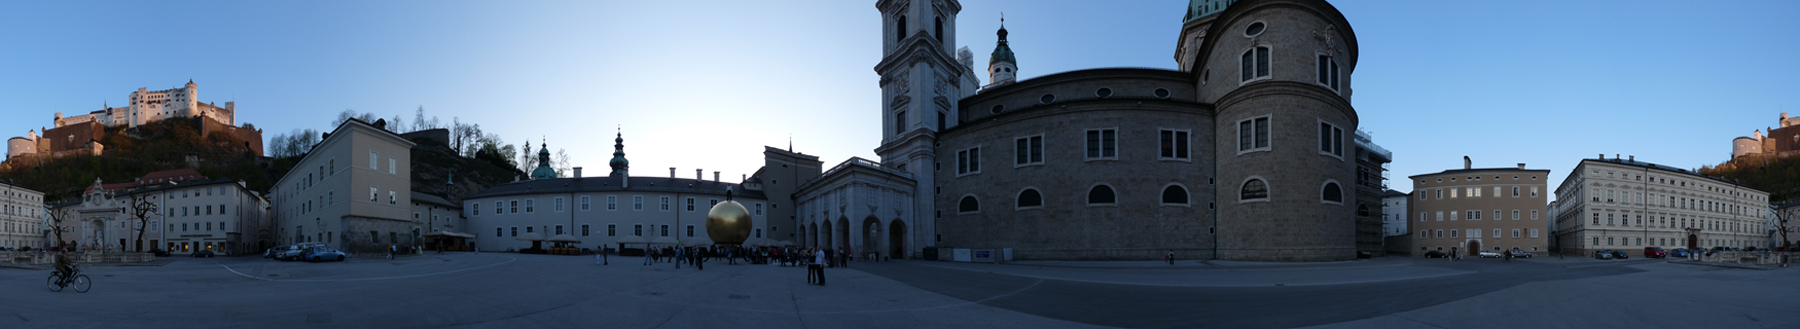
{"points": [[534, 236], [697, 242], [564, 238], [664, 240], [449, 234], [785, 243], [631, 239]]}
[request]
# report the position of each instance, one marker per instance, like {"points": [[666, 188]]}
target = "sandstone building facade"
{"points": [[1474, 209], [22, 217], [352, 191]]}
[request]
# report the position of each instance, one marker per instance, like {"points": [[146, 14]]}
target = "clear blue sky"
{"points": [[706, 84]]}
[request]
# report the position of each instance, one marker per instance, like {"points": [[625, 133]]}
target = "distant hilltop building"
{"points": [[1782, 141], [81, 134]]}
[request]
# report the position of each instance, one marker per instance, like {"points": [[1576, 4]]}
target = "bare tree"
{"points": [[561, 163], [1785, 221], [141, 208], [395, 126], [348, 114], [419, 119], [57, 219], [527, 158], [278, 146]]}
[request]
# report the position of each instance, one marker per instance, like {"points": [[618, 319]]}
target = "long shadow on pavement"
{"points": [[1143, 306]]}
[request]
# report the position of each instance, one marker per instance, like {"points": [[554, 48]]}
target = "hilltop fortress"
{"points": [[1780, 142], [81, 134]]}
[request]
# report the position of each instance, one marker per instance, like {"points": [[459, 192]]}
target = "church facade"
{"points": [[1108, 164]]}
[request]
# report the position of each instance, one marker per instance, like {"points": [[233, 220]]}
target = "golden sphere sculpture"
{"points": [[728, 223]]}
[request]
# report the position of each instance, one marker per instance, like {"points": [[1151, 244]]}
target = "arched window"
{"points": [[1332, 193], [1101, 194], [1362, 210], [1174, 194], [1254, 189], [1030, 198], [939, 32], [968, 204], [900, 29]]}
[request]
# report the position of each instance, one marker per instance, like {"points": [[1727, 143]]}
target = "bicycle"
{"points": [[57, 281]]}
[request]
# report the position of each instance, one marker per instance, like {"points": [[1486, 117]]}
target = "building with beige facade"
{"points": [[188, 212], [1472, 209], [1625, 204], [22, 216], [352, 191]]}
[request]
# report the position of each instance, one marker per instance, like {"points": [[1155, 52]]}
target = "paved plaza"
{"points": [[502, 290]]}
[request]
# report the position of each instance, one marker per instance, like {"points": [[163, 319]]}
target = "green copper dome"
{"points": [[1002, 53], [543, 170], [1202, 8], [620, 166]]}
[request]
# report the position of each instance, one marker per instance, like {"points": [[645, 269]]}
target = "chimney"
{"points": [[715, 176], [1633, 158], [1602, 156], [1521, 166], [745, 177], [699, 174], [577, 172], [1466, 163], [671, 172]]}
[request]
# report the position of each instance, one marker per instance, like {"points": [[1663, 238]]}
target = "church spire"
{"points": [[620, 167], [1002, 67]]}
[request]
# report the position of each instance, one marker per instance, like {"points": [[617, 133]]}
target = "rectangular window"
{"points": [[1474, 233], [1534, 233], [637, 229], [1474, 215], [758, 210], [1174, 144], [512, 206], [711, 203], [1497, 215], [559, 230], [558, 204], [1453, 233], [1534, 191], [1440, 216], [586, 202], [690, 204], [690, 231], [665, 229], [1253, 134], [392, 165], [374, 193], [1515, 214], [1328, 72], [1102, 144], [1474, 192], [499, 231], [1331, 139], [1254, 64], [1497, 233], [637, 203], [1515, 233], [1440, 233], [1423, 235], [1421, 216], [612, 202], [515, 231], [584, 229], [899, 122], [374, 161], [1453, 192], [665, 203], [1515, 191], [612, 230], [1029, 150], [530, 205], [1534, 214], [1453, 216], [393, 197], [968, 161]]}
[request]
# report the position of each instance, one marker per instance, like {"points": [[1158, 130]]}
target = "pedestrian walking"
{"points": [[391, 250], [1170, 257], [818, 267], [647, 259]]}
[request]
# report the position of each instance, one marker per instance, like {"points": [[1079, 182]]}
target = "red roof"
{"points": [[159, 177]]}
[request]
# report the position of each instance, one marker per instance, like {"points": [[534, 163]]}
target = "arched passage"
{"points": [[1474, 248], [825, 238], [871, 235], [843, 234], [897, 239]]}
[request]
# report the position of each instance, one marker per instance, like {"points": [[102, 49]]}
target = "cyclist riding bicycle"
{"points": [[63, 265]]}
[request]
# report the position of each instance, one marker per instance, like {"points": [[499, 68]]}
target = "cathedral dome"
{"points": [[620, 166], [1002, 53], [543, 170]]}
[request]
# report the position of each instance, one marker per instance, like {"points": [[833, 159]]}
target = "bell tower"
{"points": [[921, 81]]}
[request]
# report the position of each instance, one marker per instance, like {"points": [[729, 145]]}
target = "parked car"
{"points": [[1435, 254], [1519, 253], [203, 253], [322, 253], [293, 252], [1489, 254], [1603, 254], [1620, 254], [1683, 253], [1655, 252], [270, 253], [159, 252]]}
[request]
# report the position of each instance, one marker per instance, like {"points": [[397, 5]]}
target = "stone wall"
{"points": [[356, 239], [252, 137]]}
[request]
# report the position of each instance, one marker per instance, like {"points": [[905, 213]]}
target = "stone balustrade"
{"points": [[46, 258]]}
